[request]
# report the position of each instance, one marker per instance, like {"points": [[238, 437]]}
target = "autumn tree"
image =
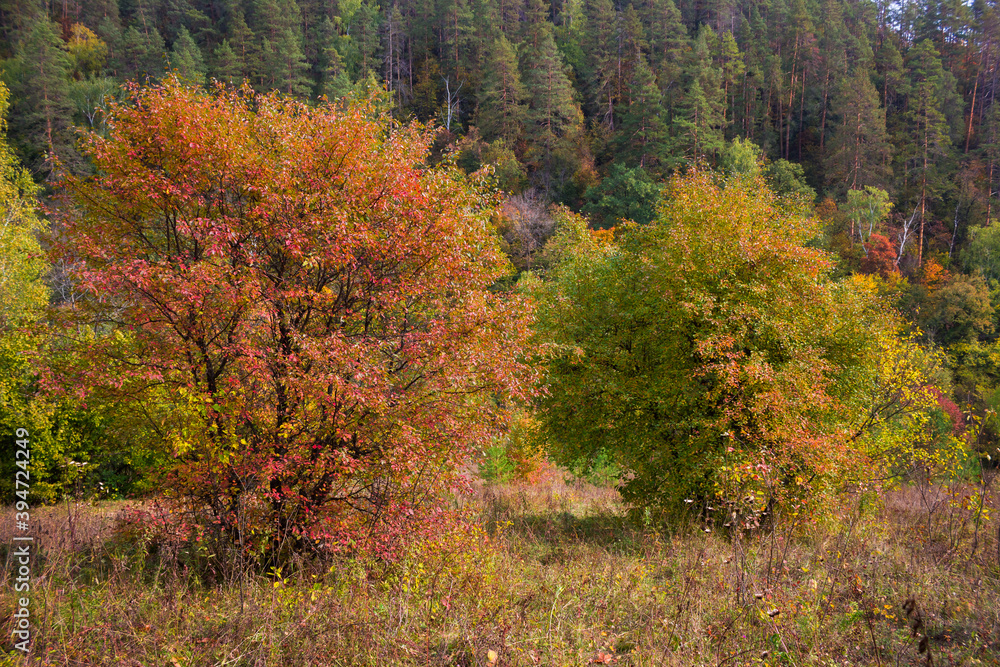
{"points": [[709, 352], [959, 311], [295, 304], [24, 294]]}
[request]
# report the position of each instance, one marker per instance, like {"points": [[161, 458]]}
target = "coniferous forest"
{"points": [[500, 332]]}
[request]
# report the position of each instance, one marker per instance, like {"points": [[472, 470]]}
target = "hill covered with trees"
{"points": [[876, 119], [316, 281]]}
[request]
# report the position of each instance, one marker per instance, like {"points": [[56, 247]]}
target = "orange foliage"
{"points": [[298, 304], [933, 274], [880, 257]]}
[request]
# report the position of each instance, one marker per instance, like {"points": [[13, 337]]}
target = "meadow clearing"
{"points": [[552, 572]]}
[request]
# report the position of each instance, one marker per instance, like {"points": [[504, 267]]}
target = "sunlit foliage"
{"points": [[295, 307]]}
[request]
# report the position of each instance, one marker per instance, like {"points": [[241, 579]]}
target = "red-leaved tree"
{"points": [[297, 304]]}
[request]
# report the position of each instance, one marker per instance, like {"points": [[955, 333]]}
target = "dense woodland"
{"points": [[874, 122], [500, 332], [839, 96], [893, 96]]}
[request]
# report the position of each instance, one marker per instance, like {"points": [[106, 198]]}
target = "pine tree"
{"points": [[366, 28], [396, 71], [245, 45], [551, 107], [334, 81], [926, 143], [632, 47], [731, 62], [749, 108], [38, 79], [570, 33], [457, 35], [141, 14], [426, 89], [268, 18], [141, 55], [290, 69], [889, 66], [501, 112], [642, 138], [698, 126], [991, 153], [94, 12], [175, 15], [226, 65], [186, 58], [803, 52], [509, 16], [859, 151], [601, 49], [833, 58], [666, 32], [485, 18]]}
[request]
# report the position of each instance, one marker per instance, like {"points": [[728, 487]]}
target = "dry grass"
{"points": [[548, 574]]}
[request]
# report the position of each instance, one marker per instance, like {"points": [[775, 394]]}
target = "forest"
{"points": [[500, 332]]}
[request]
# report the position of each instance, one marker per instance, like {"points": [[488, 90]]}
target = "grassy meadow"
{"points": [[548, 573]]}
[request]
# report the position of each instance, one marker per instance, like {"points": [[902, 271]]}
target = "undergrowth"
{"points": [[550, 573]]}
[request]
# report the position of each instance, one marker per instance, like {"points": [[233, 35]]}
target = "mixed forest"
{"points": [[454, 307]]}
